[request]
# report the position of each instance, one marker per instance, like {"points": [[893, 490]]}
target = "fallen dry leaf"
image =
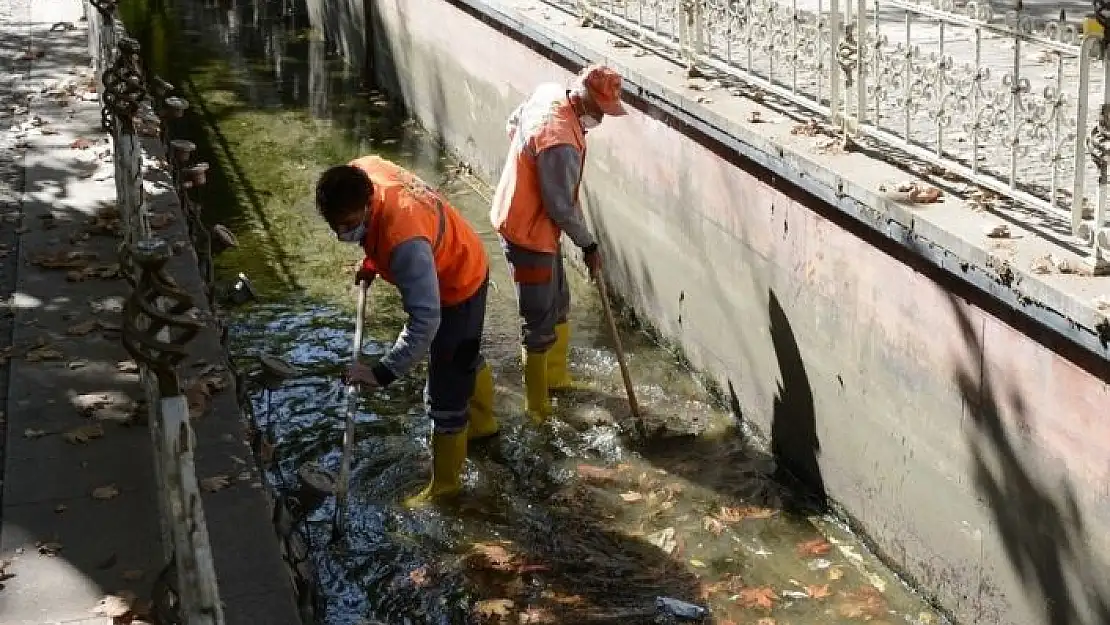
{"points": [[83, 328], [132, 575], [40, 354], [814, 548], [835, 573], [81, 143], [864, 603], [818, 592], [215, 483], [33, 433], [758, 597], [591, 472], [735, 514], [925, 195], [491, 608], [115, 606], [632, 497], [491, 555], [105, 493], [419, 576], [765, 621], [537, 616], [83, 434], [713, 525], [49, 549], [127, 366], [64, 259], [196, 395]]}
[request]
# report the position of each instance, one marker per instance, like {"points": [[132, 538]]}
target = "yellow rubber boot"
{"points": [[558, 372], [482, 423], [448, 456], [536, 402]]}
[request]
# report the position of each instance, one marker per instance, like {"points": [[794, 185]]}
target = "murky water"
{"points": [[568, 523]]}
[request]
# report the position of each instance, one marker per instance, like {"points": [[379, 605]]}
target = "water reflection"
{"points": [[569, 523]]}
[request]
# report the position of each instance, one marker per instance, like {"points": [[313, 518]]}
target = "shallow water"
{"points": [[567, 523]]}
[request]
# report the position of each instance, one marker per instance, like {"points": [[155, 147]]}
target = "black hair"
{"points": [[342, 190]]}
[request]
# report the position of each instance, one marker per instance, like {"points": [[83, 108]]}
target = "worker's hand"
{"points": [[592, 258], [360, 375], [365, 274]]}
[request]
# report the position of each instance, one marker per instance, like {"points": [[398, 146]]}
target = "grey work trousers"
{"points": [[542, 294], [454, 360]]}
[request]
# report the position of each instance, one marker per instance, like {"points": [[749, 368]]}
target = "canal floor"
{"points": [[572, 522]]}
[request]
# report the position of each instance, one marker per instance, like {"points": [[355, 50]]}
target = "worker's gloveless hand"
{"points": [[361, 375], [592, 258]]}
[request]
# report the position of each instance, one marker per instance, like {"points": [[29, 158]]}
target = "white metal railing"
{"points": [[1009, 97]]}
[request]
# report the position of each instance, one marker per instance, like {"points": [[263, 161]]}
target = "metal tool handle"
{"points": [[351, 397], [633, 405]]}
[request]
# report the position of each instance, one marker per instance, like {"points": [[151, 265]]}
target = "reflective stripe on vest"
{"points": [[404, 207], [546, 120]]}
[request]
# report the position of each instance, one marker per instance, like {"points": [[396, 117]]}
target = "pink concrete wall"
{"points": [[973, 503]]}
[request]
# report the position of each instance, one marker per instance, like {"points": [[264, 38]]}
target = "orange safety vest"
{"points": [[546, 120], [403, 208]]}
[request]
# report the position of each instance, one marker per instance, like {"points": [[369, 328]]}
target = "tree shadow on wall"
{"points": [[1040, 525], [794, 442]]}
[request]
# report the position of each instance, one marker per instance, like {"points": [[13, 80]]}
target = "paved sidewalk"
{"points": [[79, 513]]}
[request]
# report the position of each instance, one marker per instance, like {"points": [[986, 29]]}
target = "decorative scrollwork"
{"points": [[124, 87], [1098, 143], [158, 307]]}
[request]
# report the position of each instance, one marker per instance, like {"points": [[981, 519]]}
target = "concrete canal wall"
{"points": [[954, 403]]}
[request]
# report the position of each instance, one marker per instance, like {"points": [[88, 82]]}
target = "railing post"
{"points": [[691, 33], [124, 91]]}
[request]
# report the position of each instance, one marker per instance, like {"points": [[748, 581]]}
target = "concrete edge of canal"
{"points": [[949, 400], [260, 564]]}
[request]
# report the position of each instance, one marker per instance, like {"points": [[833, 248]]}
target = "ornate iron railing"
{"points": [[1010, 97]]}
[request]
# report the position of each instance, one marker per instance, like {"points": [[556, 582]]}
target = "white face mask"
{"points": [[354, 235], [589, 122]]}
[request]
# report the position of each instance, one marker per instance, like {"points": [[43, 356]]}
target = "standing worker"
{"points": [[535, 202], [417, 241]]}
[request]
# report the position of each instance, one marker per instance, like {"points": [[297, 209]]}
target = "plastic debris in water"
{"points": [[680, 609]]}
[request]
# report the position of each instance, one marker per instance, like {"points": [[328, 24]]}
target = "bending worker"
{"points": [[535, 202], [417, 241]]}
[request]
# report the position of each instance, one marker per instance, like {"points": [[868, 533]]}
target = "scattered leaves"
{"points": [[814, 548], [83, 434], [215, 483], [864, 603], [758, 597], [105, 493]]}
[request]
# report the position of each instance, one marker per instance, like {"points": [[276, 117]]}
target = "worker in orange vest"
{"points": [[535, 202], [417, 241]]}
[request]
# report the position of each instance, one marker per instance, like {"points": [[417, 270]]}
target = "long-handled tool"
{"points": [[603, 292], [350, 398]]}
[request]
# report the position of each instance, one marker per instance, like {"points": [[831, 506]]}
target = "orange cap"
{"points": [[604, 85]]}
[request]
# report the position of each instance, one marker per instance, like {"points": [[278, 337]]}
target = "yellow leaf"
{"points": [[106, 492], [215, 483], [494, 607], [698, 563]]}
